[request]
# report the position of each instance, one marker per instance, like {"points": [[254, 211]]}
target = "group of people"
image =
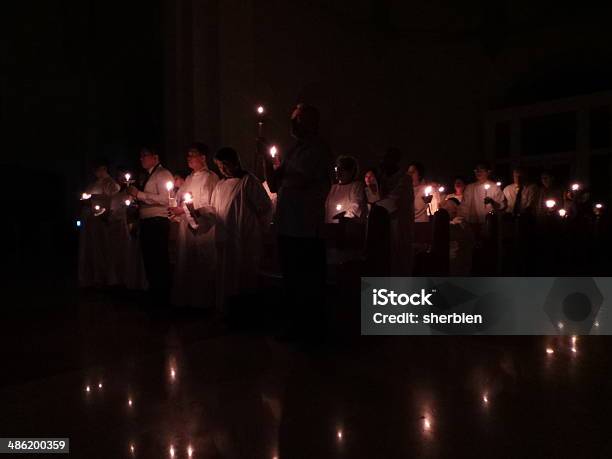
{"points": [[198, 240]]}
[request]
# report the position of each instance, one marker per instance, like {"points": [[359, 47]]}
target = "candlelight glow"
{"points": [[599, 205], [549, 351], [99, 385], [128, 176], [172, 374], [97, 207], [562, 212], [132, 448], [487, 186], [574, 350], [441, 189], [485, 398], [273, 151], [130, 403], [87, 389], [78, 223], [189, 451], [428, 190], [260, 110], [128, 202], [339, 434], [498, 183], [171, 451], [426, 424], [550, 203], [188, 198], [338, 207], [575, 187], [169, 186], [85, 196], [560, 325]]}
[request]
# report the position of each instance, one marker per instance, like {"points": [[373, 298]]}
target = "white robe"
{"points": [[473, 209], [351, 197], [194, 273], [422, 211], [124, 250], [242, 209], [95, 266]]}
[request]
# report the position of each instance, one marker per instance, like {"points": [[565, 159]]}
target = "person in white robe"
{"points": [[521, 197], [481, 197], [95, 266], [346, 198], [242, 211], [124, 249], [426, 195], [194, 272]]}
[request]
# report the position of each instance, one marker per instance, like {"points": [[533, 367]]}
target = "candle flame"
{"points": [[188, 198], [487, 186], [339, 434], [549, 351], [189, 451], [171, 451], [550, 203], [87, 389], [574, 350], [499, 183], [273, 151], [338, 207], [132, 448], [441, 189], [85, 196], [128, 176], [599, 205], [99, 385], [485, 398], [575, 187], [427, 424], [130, 402], [169, 186], [128, 202], [428, 190], [260, 110], [562, 212]]}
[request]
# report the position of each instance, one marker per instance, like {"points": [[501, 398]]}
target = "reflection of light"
{"points": [[562, 212], [596, 323], [189, 451], [550, 203], [574, 338], [338, 207], [169, 186], [171, 451], [575, 187], [549, 351]]}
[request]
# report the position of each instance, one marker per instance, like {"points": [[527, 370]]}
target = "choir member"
{"points": [[153, 201], [546, 191], [481, 197], [346, 198], [128, 269], [458, 189], [242, 212], [372, 187], [461, 240], [521, 197], [302, 183], [194, 271], [426, 195], [95, 265]]}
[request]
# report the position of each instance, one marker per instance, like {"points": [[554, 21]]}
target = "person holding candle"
{"points": [[348, 193], [481, 197], [458, 188], [373, 190], [194, 272], [242, 212], [302, 183], [521, 197], [426, 195], [547, 191], [95, 265], [152, 197]]}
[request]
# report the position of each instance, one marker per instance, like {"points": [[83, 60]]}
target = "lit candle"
{"points": [[273, 151], [499, 184], [338, 207], [189, 451], [96, 207], [127, 176], [486, 187], [85, 196], [87, 389], [78, 223], [485, 398], [549, 351], [130, 402], [562, 213], [99, 385], [171, 451], [550, 203], [575, 186], [560, 325], [428, 190], [132, 449], [599, 205], [172, 373], [171, 200], [574, 338], [441, 189], [260, 112], [128, 202], [339, 435], [426, 423], [574, 350], [187, 198]]}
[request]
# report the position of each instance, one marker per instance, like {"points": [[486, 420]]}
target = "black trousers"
{"points": [[304, 267], [154, 245]]}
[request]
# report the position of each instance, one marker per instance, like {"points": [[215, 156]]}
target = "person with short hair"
{"points": [[481, 197], [347, 196], [194, 271], [426, 195], [521, 196], [153, 202]]}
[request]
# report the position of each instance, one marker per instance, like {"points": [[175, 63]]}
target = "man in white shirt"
{"points": [[154, 200], [521, 197], [481, 197], [426, 198]]}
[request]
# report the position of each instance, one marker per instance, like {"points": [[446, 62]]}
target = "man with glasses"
{"points": [[153, 200]]}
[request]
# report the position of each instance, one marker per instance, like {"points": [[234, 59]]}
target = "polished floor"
{"points": [[120, 383]]}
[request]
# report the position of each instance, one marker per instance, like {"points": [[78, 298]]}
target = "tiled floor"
{"points": [[229, 394]]}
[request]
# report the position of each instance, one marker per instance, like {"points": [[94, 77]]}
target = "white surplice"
{"points": [[242, 210], [349, 198], [473, 208], [124, 250], [95, 267], [194, 274]]}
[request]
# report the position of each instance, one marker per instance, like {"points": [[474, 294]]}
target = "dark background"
{"points": [[101, 78]]}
